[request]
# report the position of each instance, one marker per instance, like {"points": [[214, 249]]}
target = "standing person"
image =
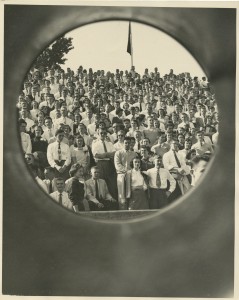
{"points": [[75, 188], [136, 187], [157, 178], [119, 145], [60, 196], [122, 161], [59, 156], [201, 146], [175, 163], [97, 193], [25, 137], [103, 152]]}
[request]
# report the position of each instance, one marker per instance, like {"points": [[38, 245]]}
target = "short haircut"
{"points": [[127, 138], [198, 158], [74, 168], [58, 131]]}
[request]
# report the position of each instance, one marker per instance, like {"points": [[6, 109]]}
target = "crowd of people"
{"points": [[116, 141]]}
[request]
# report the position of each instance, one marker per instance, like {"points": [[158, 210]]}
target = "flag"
{"points": [[129, 46]]}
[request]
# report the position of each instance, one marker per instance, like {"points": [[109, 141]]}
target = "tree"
{"points": [[53, 56]]}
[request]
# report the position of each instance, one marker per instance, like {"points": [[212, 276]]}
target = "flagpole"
{"points": [[131, 47]]}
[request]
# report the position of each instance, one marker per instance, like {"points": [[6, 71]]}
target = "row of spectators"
{"points": [[134, 141]]}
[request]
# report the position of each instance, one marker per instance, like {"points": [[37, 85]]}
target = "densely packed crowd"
{"points": [[116, 141]]}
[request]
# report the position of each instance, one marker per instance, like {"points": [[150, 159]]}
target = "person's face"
{"points": [[48, 123], [49, 174], [24, 113], [199, 136], [144, 152], [66, 129], [127, 124], [102, 134], [60, 137], [187, 145], [126, 144], [157, 163], [60, 185], [79, 173], [38, 132], [120, 136], [81, 128], [174, 146], [181, 139], [89, 114], [145, 142], [134, 124], [23, 127], [150, 122], [29, 159], [199, 169], [95, 173], [136, 164], [63, 111], [79, 141]]}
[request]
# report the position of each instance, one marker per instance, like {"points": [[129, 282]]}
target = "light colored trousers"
{"points": [[121, 185]]}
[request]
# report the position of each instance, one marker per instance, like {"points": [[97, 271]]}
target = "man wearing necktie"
{"points": [[59, 156], [175, 163], [157, 179], [60, 196], [97, 193], [103, 152], [122, 161]]}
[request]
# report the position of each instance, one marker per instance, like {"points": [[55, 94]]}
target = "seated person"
{"points": [[97, 193]]}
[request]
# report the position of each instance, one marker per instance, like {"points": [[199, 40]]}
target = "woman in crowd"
{"points": [[75, 188]]}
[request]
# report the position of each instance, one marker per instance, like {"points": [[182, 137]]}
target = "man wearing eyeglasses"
{"points": [[103, 152]]}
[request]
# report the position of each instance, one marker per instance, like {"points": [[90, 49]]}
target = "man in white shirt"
{"points": [[59, 156], [157, 178], [97, 193], [175, 163], [201, 146], [49, 131], [103, 152], [24, 115], [60, 196], [122, 161]]}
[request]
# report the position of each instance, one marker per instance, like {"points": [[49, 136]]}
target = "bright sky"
{"points": [[103, 46]]}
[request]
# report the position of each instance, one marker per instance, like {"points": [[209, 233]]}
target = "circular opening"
{"points": [[107, 105]]}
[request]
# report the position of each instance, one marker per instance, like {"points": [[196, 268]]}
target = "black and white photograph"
{"points": [[119, 146]]}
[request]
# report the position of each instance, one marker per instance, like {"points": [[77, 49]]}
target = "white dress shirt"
{"points": [[164, 176], [137, 178], [66, 202], [52, 154], [169, 161], [98, 148]]}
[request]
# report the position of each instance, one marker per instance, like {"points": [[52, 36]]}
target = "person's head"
{"points": [[134, 124], [22, 125], [29, 157], [38, 131], [144, 151], [127, 142], [67, 129], [132, 143], [161, 139], [59, 134], [76, 171], [187, 144], [95, 173], [63, 111], [199, 164], [82, 128], [102, 133], [146, 142], [184, 117], [199, 136], [174, 145], [157, 161], [60, 184], [121, 135], [48, 122], [126, 124], [137, 135], [49, 173], [79, 141], [181, 139], [136, 163], [115, 127], [150, 122]]}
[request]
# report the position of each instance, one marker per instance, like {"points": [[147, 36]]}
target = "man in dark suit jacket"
{"points": [[97, 193]]}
